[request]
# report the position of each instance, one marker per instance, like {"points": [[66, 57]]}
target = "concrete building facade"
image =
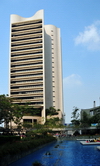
{"points": [[35, 65]]}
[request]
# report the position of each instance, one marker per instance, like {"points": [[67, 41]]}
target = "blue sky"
{"points": [[79, 22]]}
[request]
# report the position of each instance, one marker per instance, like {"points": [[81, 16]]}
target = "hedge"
{"points": [[10, 139], [21, 146]]}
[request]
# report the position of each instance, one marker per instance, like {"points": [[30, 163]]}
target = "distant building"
{"points": [[35, 65], [91, 111]]}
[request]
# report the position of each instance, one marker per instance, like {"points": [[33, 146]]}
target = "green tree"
{"points": [[75, 116], [18, 112], [85, 120], [14, 112], [54, 122], [30, 110], [95, 119], [52, 111], [5, 110]]}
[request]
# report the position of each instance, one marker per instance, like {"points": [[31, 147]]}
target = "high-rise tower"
{"points": [[35, 65]]}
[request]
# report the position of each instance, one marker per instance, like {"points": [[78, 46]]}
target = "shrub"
{"points": [[10, 139], [22, 146]]}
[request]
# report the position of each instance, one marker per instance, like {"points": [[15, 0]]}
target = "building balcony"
{"points": [[27, 72], [29, 100], [26, 22], [39, 30], [23, 42], [27, 26], [27, 94], [27, 78], [32, 105], [27, 61], [25, 57], [23, 52], [26, 47], [27, 89], [26, 67], [23, 37], [19, 84], [32, 48]]}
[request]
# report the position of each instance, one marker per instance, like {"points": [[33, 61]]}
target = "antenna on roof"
{"points": [[94, 104]]}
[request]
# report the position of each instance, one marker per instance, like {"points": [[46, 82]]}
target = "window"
{"points": [[27, 120], [35, 121]]}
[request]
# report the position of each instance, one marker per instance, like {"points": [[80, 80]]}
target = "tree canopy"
{"points": [[75, 116], [5, 109], [14, 112], [52, 111], [85, 120]]}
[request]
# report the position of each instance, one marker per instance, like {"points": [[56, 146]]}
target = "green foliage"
{"points": [[5, 109], [75, 116], [53, 122], [75, 113], [27, 125], [38, 133], [52, 111], [75, 122], [14, 112], [38, 126], [24, 145], [19, 111], [30, 111], [10, 139], [17, 114], [10, 111], [85, 121], [95, 119]]}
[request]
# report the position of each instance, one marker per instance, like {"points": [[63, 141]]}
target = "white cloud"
{"points": [[90, 37], [72, 80]]}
